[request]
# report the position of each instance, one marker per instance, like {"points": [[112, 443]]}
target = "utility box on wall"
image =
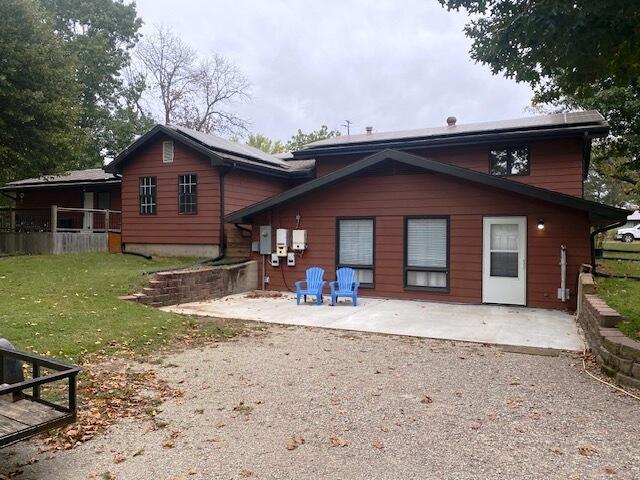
{"points": [[282, 241], [299, 240], [265, 240]]}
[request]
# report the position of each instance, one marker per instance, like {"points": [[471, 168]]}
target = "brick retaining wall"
{"points": [[198, 284], [617, 354]]}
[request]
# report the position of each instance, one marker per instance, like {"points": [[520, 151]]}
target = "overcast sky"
{"points": [[390, 64]]}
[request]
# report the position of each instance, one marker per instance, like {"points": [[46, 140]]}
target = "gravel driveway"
{"points": [[303, 403]]}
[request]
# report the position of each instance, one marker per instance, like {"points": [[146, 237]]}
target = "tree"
{"points": [[193, 92], [264, 143], [39, 98], [581, 54], [99, 34], [300, 139]]}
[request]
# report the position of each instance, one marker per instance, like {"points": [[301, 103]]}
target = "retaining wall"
{"points": [[617, 354], [198, 284]]}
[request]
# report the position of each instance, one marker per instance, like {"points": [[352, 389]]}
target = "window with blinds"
{"points": [[426, 253], [187, 193], [147, 195], [355, 240]]}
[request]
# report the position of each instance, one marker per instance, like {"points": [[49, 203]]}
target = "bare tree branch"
{"points": [[196, 93]]}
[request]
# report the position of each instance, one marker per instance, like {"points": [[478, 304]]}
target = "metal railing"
{"points": [[62, 371], [25, 220]]}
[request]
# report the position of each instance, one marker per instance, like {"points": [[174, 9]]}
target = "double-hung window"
{"points": [[509, 161], [427, 253], [355, 247], [148, 191], [187, 193]]}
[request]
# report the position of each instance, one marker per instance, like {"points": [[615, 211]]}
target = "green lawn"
{"points": [[66, 305], [630, 247], [622, 294]]}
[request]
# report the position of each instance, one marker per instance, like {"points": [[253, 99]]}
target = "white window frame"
{"points": [[167, 151], [148, 191]]}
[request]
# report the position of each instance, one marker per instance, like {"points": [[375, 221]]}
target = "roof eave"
{"points": [[595, 210], [77, 183], [593, 131]]}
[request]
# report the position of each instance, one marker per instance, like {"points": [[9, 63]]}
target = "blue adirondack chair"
{"points": [[345, 286], [312, 286]]}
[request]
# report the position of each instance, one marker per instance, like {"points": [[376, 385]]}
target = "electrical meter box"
{"points": [[265, 239], [291, 259], [275, 260], [282, 241], [299, 240]]}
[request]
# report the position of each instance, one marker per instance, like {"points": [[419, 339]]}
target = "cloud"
{"points": [[390, 64]]}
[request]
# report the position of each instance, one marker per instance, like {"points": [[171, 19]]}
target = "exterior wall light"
{"points": [[540, 224]]}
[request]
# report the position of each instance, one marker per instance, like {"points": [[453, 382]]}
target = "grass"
{"points": [[66, 305], [616, 245], [620, 293]]}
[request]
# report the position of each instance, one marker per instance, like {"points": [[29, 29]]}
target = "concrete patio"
{"points": [[519, 327]]}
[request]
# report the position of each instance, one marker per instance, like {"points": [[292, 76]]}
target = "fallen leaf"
{"points": [[246, 473], [426, 399], [587, 451], [338, 442], [377, 444], [295, 442], [119, 458]]}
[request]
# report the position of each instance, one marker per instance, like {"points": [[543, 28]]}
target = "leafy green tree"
{"points": [[265, 144], [300, 139], [575, 54], [39, 98], [99, 34]]}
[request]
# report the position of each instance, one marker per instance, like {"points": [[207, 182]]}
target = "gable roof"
{"points": [[597, 211], [220, 151], [89, 176], [590, 122]]}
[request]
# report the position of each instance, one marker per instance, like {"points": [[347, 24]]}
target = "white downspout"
{"points": [[562, 292]]}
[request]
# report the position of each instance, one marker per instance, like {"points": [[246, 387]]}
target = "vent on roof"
{"points": [[167, 152], [451, 121]]}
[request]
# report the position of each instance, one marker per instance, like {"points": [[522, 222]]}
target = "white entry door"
{"points": [[504, 260], [88, 216]]}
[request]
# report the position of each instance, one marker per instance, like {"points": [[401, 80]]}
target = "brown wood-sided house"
{"points": [[178, 184], [476, 213]]}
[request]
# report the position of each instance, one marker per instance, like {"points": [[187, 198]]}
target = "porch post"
{"points": [[54, 218], [106, 220], [12, 221]]}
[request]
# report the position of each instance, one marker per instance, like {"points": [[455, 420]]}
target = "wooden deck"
{"points": [[28, 417]]}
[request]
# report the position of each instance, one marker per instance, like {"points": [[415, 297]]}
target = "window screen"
{"points": [[187, 193], [355, 247], [148, 190], [104, 200], [509, 161], [426, 252]]}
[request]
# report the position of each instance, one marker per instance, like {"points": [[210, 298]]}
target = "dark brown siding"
{"points": [[389, 198], [555, 164], [167, 225], [241, 190], [70, 197]]}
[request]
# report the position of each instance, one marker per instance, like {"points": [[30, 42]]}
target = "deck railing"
{"points": [[59, 219], [63, 372]]}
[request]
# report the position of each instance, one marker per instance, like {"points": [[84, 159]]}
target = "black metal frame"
{"points": [[509, 149], [63, 372], [194, 195], [155, 195], [407, 268], [371, 267]]}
